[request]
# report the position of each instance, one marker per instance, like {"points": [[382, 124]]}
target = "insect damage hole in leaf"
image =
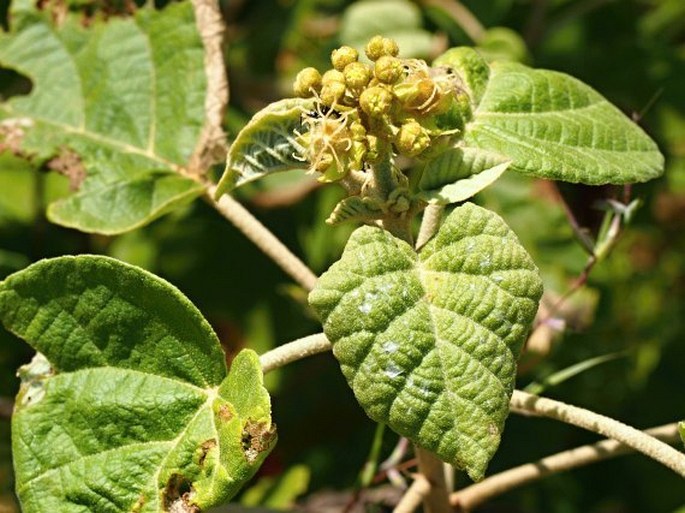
{"points": [[429, 341]]}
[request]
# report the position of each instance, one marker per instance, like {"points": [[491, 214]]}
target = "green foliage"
{"points": [[100, 111], [554, 126], [429, 342], [127, 405]]}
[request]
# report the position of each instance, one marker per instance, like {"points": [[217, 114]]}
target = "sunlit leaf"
{"points": [[429, 341], [127, 405]]}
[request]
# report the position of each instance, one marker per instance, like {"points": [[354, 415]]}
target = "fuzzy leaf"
{"points": [[429, 341], [116, 106], [267, 144], [127, 406], [554, 126], [458, 174]]}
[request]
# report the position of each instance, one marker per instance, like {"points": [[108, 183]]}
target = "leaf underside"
{"points": [[133, 409], [428, 342], [267, 144], [124, 99], [554, 126]]}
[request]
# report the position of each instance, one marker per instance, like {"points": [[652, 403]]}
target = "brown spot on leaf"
{"points": [[257, 438], [12, 132], [69, 164], [176, 496], [205, 448], [225, 413]]}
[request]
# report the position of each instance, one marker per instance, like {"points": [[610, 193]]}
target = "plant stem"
{"points": [[211, 145], [263, 238], [293, 351], [528, 404], [465, 19], [498, 484], [411, 500], [433, 469], [430, 223]]}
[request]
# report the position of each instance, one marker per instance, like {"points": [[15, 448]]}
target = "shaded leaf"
{"points": [[126, 96], [267, 144], [127, 406], [429, 341], [553, 126], [458, 174]]}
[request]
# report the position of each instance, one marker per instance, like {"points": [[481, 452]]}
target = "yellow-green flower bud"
{"points": [[357, 76], [358, 131], [332, 75], [307, 82], [412, 139], [379, 46], [419, 95], [376, 101], [343, 56], [388, 69], [332, 93]]}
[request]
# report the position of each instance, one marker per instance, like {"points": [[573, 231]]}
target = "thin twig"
{"points": [[528, 404], [459, 13], [293, 351], [416, 493], [263, 238], [211, 145], [498, 484]]}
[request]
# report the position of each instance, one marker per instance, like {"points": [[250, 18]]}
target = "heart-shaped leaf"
{"points": [[554, 126], [127, 407], [429, 341], [116, 106], [267, 144]]}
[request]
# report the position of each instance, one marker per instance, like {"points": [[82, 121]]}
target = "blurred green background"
{"points": [[632, 51]]}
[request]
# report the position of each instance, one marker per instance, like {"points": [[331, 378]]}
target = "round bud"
{"points": [[332, 93], [412, 139], [357, 76], [378, 46], [343, 56], [376, 101], [307, 82], [332, 75], [388, 69]]}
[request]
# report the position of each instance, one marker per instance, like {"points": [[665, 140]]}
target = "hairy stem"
{"points": [[521, 403], [433, 469], [528, 404], [411, 500], [263, 238], [293, 351], [495, 485]]}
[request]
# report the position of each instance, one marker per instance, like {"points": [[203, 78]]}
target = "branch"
{"points": [[416, 493], [528, 404], [211, 146], [293, 351], [476, 494], [262, 237]]}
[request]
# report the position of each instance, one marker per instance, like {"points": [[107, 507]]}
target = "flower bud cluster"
{"points": [[370, 111]]}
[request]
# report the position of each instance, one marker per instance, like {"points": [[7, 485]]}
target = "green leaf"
{"points": [[553, 126], [267, 144], [119, 103], [681, 431], [278, 493], [458, 174], [127, 406], [397, 19], [429, 341]]}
